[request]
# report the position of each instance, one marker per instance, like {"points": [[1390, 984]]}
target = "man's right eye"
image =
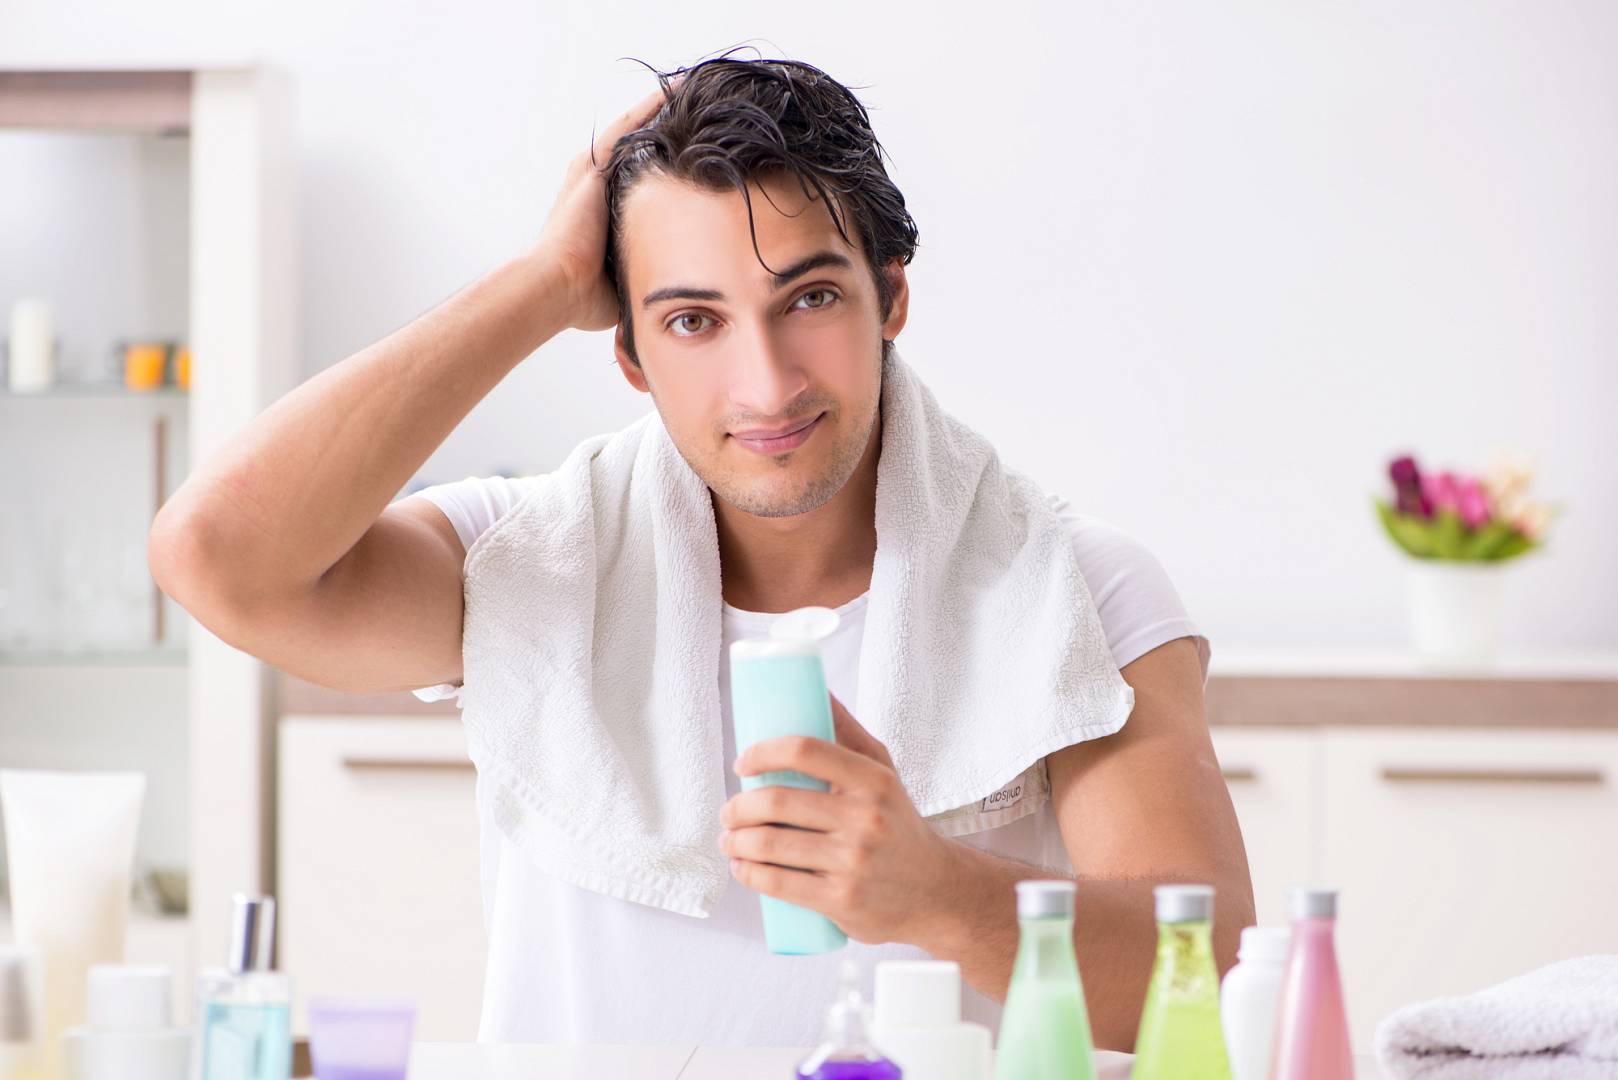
{"points": [[682, 320]]}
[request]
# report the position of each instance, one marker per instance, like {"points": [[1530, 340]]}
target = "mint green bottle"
{"points": [[1045, 1029], [1180, 1036]]}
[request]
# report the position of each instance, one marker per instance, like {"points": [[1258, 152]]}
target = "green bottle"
{"points": [[1180, 1037], [1045, 1029]]}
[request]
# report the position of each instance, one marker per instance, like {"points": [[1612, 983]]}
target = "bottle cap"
{"points": [[918, 993], [1265, 943], [1045, 899], [847, 1019], [19, 994], [128, 997], [252, 934], [1184, 903], [1311, 902]]}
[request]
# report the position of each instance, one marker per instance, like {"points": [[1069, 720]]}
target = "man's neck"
{"points": [[820, 558]]}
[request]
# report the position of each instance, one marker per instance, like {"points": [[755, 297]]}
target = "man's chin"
{"points": [[775, 500]]}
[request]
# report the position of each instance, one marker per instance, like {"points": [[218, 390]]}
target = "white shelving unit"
{"points": [[236, 118]]}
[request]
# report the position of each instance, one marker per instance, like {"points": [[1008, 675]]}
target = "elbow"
{"points": [[170, 551], [183, 554]]}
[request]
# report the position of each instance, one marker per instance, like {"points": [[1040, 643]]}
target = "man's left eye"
{"points": [[827, 293]]}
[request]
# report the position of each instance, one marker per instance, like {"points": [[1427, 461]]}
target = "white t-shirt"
{"points": [[567, 965]]}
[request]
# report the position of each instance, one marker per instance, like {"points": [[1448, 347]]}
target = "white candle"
{"points": [[32, 337]]}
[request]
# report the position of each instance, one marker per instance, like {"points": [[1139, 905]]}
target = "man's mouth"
{"points": [[777, 440]]}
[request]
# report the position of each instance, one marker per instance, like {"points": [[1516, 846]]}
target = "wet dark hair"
{"points": [[735, 121]]}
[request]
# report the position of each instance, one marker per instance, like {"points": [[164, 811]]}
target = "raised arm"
{"points": [[284, 543]]}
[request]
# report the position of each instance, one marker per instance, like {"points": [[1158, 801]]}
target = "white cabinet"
{"points": [[1464, 856], [1272, 776], [379, 866]]}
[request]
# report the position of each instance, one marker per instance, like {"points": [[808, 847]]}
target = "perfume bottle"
{"points": [[1311, 1032], [1180, 1037], [245, 1026], [1045, 1028], [845, 1052]]}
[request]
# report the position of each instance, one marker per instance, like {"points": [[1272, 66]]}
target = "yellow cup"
{"points": [[143, 366], [182, 368]]}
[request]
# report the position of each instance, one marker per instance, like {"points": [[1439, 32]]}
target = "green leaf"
{"points": [[1483, 543], [1514, 545], [1410, 533], [1448, 534]]}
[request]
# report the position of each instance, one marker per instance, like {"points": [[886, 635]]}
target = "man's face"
{"points": [[769, 388]]}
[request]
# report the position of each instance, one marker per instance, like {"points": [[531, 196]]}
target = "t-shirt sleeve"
{"points": [[472, 506], [1139, 606]]}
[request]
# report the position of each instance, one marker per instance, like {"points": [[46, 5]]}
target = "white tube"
{"points": [[70, 842]]}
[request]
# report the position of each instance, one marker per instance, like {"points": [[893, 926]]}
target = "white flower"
{"points": [[1532, 520], [1506, 482]]}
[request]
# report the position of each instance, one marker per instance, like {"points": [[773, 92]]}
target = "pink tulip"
{"points": [[1472, 503], [1457, 492], [1440, 490]]}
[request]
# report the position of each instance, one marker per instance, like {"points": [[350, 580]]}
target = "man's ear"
{"points": [[632, 372], [900, 311]]}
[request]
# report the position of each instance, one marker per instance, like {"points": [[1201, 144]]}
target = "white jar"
{"points": [[1249, 997], [918, 1023], [129, 1033]]}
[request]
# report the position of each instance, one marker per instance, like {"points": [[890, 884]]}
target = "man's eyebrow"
{"points": [[796, 270]]}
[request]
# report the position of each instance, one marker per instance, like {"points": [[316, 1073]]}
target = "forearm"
{"points": [[296, 488], [974, 923]]}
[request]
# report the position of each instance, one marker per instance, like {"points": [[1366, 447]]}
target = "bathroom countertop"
{"points": [[477, 1061], [1269, 690]]}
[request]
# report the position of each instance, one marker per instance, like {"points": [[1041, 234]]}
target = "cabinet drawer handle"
{"points": [[1399, 774], [1239, 773], [420, 764]]}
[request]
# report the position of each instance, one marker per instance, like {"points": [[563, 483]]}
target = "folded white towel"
{"points": [[1558, 1021], [592, 636]]}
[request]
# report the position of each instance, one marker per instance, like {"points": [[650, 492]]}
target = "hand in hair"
{"points": [[574, 238]]}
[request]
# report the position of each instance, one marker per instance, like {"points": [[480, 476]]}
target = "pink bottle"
{"points": [[1311, 1030]]}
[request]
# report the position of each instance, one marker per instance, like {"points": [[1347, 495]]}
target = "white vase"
{"points": [[1455, 608]]}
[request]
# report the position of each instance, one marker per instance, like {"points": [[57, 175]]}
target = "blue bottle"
{"points": [[778, 687], [245, 1028]]}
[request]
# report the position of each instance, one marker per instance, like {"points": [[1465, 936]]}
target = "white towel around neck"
{"points": [[593, 628]]}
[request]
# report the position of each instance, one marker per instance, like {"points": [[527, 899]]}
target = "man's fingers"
{"points": [[794, 886], [796, 849], [839, 766], [779, 804], [637, 116], [852, 734]]}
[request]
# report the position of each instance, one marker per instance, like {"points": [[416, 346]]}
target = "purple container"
{"points": [[360, 1038]]}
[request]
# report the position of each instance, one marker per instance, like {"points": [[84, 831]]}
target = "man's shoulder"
{"points": [[1098, 541]]}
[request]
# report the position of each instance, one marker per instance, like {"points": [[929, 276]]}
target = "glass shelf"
{"points": [[95, 390], [170, 657]]}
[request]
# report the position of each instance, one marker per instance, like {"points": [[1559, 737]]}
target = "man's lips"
{"points": [[765, 441]]}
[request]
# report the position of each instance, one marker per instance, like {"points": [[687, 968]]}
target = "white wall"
{"points": [[1202, 268]]}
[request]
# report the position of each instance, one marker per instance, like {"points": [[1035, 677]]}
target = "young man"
{"points": [[738, 229]]}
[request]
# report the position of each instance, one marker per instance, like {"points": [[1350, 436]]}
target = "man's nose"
{"points": [[765, 377]]}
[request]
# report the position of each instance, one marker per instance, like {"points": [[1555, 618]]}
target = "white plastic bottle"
{"points": [[918, 1022], [1249, 997]]}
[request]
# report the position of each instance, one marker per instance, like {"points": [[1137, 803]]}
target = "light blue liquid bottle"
{"points": [[245, 1026], [778, 687]]}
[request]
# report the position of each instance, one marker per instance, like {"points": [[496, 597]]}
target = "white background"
{"points": [[1200, 268]]}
